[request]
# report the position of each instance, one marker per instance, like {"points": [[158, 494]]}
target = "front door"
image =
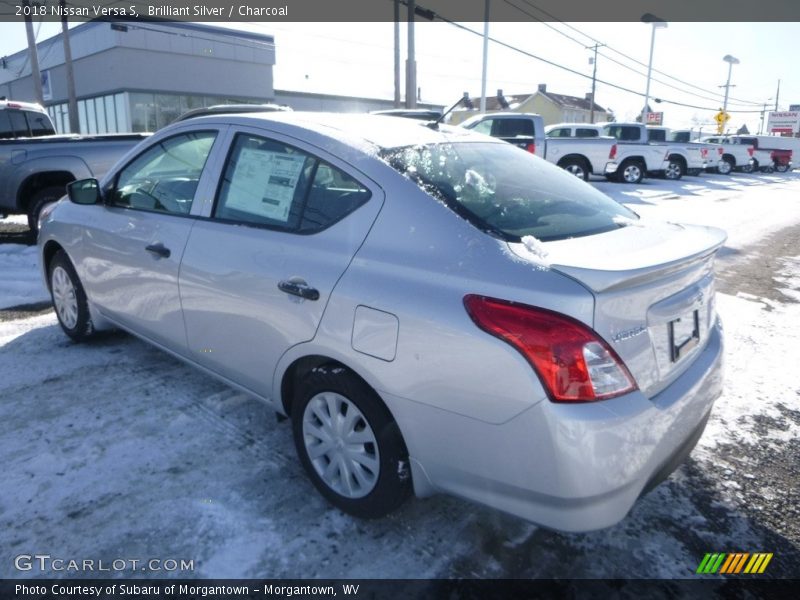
{"points": [[133, 246]]}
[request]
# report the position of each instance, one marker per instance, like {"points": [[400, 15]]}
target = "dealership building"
{"points": [[140, 76]]}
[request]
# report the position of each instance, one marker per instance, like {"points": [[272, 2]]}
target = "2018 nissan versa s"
{"points": [[436, 310]]}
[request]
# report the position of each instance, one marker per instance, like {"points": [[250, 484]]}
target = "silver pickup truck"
{"points": [[580, 156], [34, 170]]}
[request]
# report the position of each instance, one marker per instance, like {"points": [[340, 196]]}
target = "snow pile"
{"points": [[20, 278]]}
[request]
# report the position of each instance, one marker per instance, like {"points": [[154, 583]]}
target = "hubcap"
{"points": [[341, 445], [632, 174], [64, 298], [673, 171], [576, 170], [725, 167]]}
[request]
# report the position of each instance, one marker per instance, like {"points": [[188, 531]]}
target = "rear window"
{"points": [[507, 192], [505, 128], [656, 135]]}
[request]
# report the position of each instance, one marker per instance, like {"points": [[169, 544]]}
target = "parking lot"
{"points": [[114, 450]]}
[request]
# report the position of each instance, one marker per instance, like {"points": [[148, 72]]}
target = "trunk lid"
{"points": [[653, 285]]}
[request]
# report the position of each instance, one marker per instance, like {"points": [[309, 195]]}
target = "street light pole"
{"points": [[731, 60], [656, 23]]}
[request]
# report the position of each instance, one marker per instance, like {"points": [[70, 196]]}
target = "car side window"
{"points": [[561, 132], [272, 184], [39, 124], [18, 123], [582, 132], [332, 196], [164, 177], [484, 127]]}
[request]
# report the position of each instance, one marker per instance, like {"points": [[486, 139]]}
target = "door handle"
{"points": [[299, 288], [159, 250]]}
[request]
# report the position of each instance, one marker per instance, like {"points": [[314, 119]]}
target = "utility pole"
{"points": [[34, 56], [485, 56], [72, 101], [777, 94], [594, 78], [411, 63], [397, 53]]}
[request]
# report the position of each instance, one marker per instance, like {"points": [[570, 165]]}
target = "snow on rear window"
{"points": [[508, 192]]}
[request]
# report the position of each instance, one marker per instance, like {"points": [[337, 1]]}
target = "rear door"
{"points": [[257, 273]]}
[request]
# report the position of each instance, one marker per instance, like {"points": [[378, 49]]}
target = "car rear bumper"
{"points": [[574, 467]]}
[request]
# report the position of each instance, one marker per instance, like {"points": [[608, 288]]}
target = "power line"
{"points": [[574, 72], [535, 7]]}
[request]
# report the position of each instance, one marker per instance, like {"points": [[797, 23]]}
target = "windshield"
{"points": [[508, 192]]}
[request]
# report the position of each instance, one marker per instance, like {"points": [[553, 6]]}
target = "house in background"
{"points": [[554, 108]]}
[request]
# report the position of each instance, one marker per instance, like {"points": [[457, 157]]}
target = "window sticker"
{"points": [[264, 183]]}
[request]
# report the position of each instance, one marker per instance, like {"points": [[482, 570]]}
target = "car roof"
{"points": [[5, 104], [375, 130]]}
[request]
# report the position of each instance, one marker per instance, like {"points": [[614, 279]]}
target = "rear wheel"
{"points": [[749, 167], [577, 167], [349, 444], [39, 200], [725, 166], [674, 169], [631, 171], [69, 299], [781, 168]]}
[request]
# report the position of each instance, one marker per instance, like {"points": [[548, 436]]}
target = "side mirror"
{"points": [[84, 191]]}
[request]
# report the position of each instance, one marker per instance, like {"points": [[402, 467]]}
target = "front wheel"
{"points": [[631, 172], [349, 444], [69, 298]]}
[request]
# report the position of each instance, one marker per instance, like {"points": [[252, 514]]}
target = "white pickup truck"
{"points": [[733, 155], [685, 157], [652, 157], [581, 157]]}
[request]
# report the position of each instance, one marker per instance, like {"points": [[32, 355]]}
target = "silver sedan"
{"points": [[435, 310]]}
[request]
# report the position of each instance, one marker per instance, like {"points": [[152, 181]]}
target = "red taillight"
{"points": [[750, 150], [704, 152], [613, 152], [531, 148], [720, 151], [572, 361]]}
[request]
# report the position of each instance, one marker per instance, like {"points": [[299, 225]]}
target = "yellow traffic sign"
{"points": [[722, 117]]}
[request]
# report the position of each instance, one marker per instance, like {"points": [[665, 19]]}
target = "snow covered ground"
{"points": [[115, 450]]}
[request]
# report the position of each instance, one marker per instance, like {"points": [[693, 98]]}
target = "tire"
{"points": [[749, 168], [674, 170], [37, 203], [69, 298], [577, 167], [367, 477], [781, 168], [631, 171], [725, 166]]}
